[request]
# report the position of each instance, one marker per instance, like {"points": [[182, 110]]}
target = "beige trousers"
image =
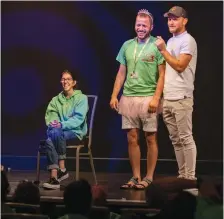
{"points": [[177, 115]]}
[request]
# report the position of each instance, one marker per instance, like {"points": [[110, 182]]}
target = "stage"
{"points": [[121, 202], [109, 181]]}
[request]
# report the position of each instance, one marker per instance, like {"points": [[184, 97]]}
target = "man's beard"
{"points": [[145, 37], [176, 30]]}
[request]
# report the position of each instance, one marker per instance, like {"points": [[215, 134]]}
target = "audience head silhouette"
{"points": [[78, 197]]}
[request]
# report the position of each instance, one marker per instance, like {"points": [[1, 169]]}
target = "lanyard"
{"points": [[134, 55]]}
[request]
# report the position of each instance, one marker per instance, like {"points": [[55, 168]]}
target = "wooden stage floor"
{"points": [[109, 181]]}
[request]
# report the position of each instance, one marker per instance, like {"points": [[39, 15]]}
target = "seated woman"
{"points": [[66, 118]]}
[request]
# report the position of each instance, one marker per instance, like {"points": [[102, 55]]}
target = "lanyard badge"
{"points": [[134, 74]]}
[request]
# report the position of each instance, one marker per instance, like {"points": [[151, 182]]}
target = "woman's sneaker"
{"points": [[62, 175], [52, 184]]}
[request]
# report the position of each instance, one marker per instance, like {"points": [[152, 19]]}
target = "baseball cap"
{"points": [[176, 11]]}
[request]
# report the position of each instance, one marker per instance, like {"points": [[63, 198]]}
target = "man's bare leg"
{"points": [[152, 155], [134, 152]]}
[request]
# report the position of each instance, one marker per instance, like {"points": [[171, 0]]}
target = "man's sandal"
{"points": [[129, 185], [143, 187]]}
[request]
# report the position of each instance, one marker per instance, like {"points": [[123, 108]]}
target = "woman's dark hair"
{"points": [[68, 72], [73, 77]]}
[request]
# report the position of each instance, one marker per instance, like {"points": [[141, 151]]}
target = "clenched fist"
{"points": [[160, 43]]}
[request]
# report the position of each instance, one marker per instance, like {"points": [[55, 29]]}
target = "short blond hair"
{"points": [[145, 13]]}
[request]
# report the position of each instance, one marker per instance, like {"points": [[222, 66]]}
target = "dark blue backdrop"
{"points": [[40, 39]]}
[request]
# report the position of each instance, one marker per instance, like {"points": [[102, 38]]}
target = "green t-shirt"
{"points": [[144, 80]]}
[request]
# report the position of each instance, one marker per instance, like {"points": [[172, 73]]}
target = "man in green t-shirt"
{"points": [[143, 67]]}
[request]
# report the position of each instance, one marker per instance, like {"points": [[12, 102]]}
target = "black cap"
{"points": [[176, 11]]}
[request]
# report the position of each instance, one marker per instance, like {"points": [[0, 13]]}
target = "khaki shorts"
{"points": [[134, 111]]}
